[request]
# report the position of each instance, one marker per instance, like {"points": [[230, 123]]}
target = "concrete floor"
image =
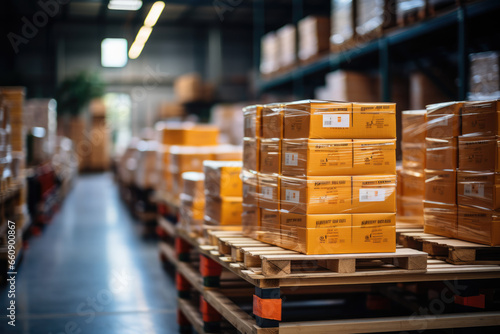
{"points": [[91, 272]]}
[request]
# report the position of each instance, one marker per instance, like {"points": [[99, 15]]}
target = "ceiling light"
{"points": [[125, 4], [135, 50], [114, 52], [154, 13], [143, 35]]}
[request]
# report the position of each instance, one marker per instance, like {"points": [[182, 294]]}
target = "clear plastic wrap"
{"points": [[228, 153], [414, 132], [192, 202], [314, 36], [480, 118], [252, 121], [441, 153], [338, 194], [272, 121], [223, 210], [411, 185], [250, 220], [270, 156], [318, 119], [270, 61], [479, 225], [269, 191], [270, 230], [250, 187], [480, 189], [443, 119], [441, 219], [329, 157], [343, 15], [251, 153], [479, 153], [484, 75], [441, 186], [222, 178]]}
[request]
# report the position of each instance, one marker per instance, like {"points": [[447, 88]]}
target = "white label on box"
{"points": [[474, 190], [267, 192], [336, 121], [291, 159], [371, 195], [292, 195]]}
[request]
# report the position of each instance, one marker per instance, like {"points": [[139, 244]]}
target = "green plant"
{"points": [[75, 93]]}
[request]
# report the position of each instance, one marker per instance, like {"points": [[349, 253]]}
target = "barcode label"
{"points": [[336, 121], [474, 190], [291, 159], [292, 195], [267, 192], [371, 195]]}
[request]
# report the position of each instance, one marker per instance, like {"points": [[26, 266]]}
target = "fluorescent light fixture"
{"points": [[114, 52], [135, 50], [154, 13], [125, 4], [143, 35]]}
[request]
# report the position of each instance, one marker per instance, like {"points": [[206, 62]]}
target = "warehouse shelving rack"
{"points": [[250, 300], [382, 49]]}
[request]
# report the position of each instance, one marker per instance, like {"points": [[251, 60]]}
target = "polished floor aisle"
{"points": [[91, 272]]}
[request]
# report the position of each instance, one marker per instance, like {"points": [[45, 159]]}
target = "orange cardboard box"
{"points": [[414, 155], [228, 153], [481, 189], [376, 193], [272, 121], [481, 118], [223, 210], [316, 195], [479, 153], [329, 157], [443, 119], [222, 178], [479, 225], [189, 158], [270, 156], [373, 233], [250, 187], [440, 219], [270, 226], [250, 220], [339, 120], [413, 183], [441, 186], [189, 134], [441, 153], [333, 240], [414, 126], [252, 121], [315, 221], [269, 191], [251, 154]]}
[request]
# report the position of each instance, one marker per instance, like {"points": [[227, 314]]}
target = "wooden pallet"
{"points": [[274, 261], [451, 250]]}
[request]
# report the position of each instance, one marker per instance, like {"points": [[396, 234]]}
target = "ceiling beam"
{"points": [[101, 17]]}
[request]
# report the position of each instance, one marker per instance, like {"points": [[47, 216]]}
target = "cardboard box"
{"points": [[287, 36], [189, 134], [316, 195], [222, 178], [194, 186], [479, 225], [270, 156], [269, 191], [272, 121], [443, 119], [251, 154], [413, 183], [270, 226], [337, 120], [479, 153], [362, 233], [329, 157], [441, 186], [373, 194], [414, 126], [289, 219], [250, 187], [481, 189], [481, 118], [440, 219], [189, 158], [270, 54], [250, 220], [414, 155], [223, 210], [441, 153], [228, 153], [188, 87], [314, 36], [252, 121]]}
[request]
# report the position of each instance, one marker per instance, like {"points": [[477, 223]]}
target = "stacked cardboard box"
{"points": [[478, 186], [5, 142], [223, 194], [330, 183], [343, 24], [372, 16], [287, 41], [252, 133], [411, 181], [145, 176], [440, 206], [42, 113], [314, 34], [191, 88], [270, 61], [484, 76], [192, 202]]}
